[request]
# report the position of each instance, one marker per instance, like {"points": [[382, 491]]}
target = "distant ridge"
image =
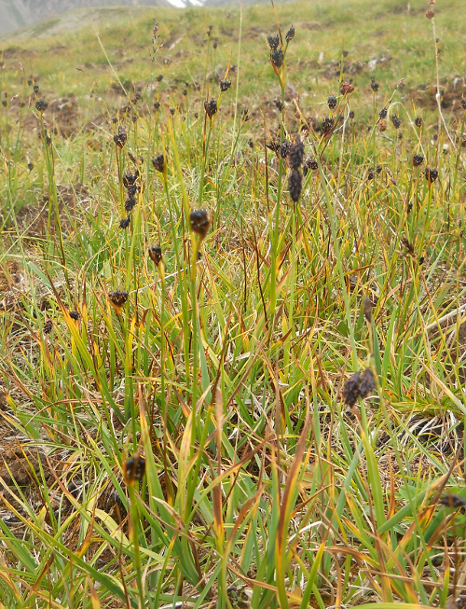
{"points": [[15, 14]]}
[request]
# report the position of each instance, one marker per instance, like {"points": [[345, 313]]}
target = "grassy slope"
{"points": [[261, 487]]}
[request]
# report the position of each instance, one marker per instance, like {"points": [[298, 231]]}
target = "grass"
{"points": [[177, 424]]}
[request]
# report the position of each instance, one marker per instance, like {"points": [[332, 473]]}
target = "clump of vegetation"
{"points": [[232, 310]]}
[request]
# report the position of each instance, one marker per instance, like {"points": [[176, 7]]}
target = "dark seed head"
{"points": [[374, 86], [133, 189], [120, 138], [418, 121], [463, 103], [430, 174], [452, 501], [310, 164], [367, 308], [296, 154], [30, 166], [130, 178], [350, 391], [75, 315], [285, 149], [48, 326], [430, 14], [328, 125], [273, 41], [200, 222], [156, 105], [370, 174], [417, 160], [277, 58], [118, 298], [367, 384], [290, 34], [130, 204], [225, 85], [295, 185], [332, 102], [36, 89], [134, 469], [158, 162], [41, 105], [396, 121], [125, 222], [383, 113], [155, 254], [210, 107]]}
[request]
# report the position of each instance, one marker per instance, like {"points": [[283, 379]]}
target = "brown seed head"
{"points": [[155, 254], [200, 222], [158, 162], [430, 14], [350, 391], [118, 298], [346, 88], [367, 309], [134, 469], [48, 326], [367, 384]]}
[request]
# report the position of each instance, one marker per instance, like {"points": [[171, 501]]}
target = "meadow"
{"points": [[232, 308]]}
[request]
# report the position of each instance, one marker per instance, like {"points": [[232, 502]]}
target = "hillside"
{"points": [[232, 307]]}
